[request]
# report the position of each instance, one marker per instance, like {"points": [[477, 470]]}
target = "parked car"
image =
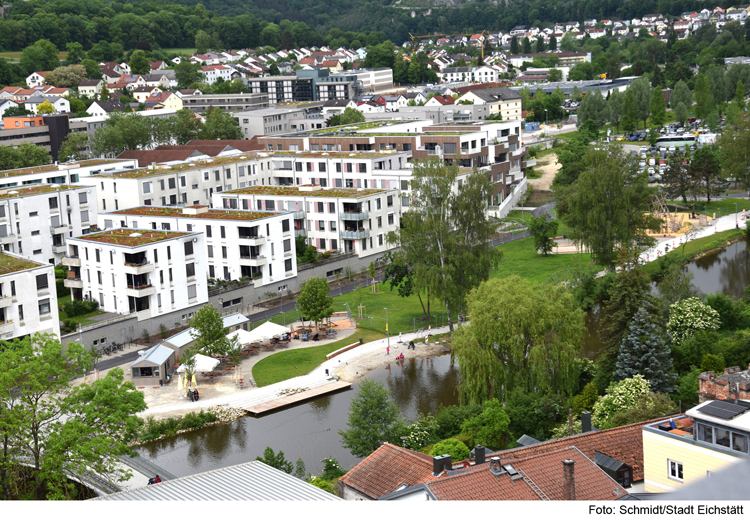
{"points": [[652, 161], [634, 137]]}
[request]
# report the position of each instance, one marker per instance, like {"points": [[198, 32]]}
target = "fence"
{"points": [[501, 211]]}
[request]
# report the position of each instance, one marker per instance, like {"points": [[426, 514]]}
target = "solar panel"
{"points": [[722, 409]]}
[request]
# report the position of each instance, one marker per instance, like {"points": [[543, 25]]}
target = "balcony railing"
{"points": [[297, 215], [354, 215], [58, 230], [6, 326], [5, 302], [355, 235], [140, 268], [253, 240], [71, 260], [301, 231]]}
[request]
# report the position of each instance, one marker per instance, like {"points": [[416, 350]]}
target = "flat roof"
{"points": [[219, 214], [295, 192], [24, 191], [51, 168], [147, 172], [364, 155], [740, 422], [128, 237], [10, 263]]}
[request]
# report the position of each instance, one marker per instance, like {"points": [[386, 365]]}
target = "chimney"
{"points": [[478, 455], [585, 421], [495, 467], [441, 462], [569, 486]]}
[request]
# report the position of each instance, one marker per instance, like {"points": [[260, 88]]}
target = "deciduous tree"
{"points": [[71, 148], [658, 108], [139, 64], [276, 460], [544, 232], [220, 125], [373, 420], [704, 170], [313, 300], [522, 336], [187, 73]]}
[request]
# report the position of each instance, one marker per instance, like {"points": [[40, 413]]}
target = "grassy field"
{"points": [[16, 55], [297, 362], [180, 51], [720, 207]]}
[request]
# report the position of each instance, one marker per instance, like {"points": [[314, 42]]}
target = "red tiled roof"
{"points": [[544, 470], [241, 145], [386, 469]]}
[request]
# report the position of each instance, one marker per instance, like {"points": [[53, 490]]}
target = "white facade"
{"points": [[35, 79], [28, 298], [36, 220], [258, 245], [139, 271], [342, 220]]}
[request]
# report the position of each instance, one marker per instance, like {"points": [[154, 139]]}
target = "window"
{"points": [[172, 183], [98, 254], [170, 275], [208, 231], [377, 203], [190, 269], [288, 265], [389, 201], [166, 226], [321, 225], [390, 219], [210, 250], [20, 312], [44, 307], [217, 175], [333, 225], [183, 181], [380, 222], [41, 283], [285, 225], [189, 248], [298, 166], [287, 245], [331, 207], [211, 271], [224, 252], [161, 185], [205, 176], [192, 291], [363, 168], [223, 232], [675, 470], [82, 198], [321, 167], [53, 203]]}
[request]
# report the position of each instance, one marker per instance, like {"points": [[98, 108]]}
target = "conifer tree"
{"points": [[644, 351]]}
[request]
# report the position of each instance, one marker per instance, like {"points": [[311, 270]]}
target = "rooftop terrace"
{"points": [[10, 263], [131, 238], [295, 191], [223, 214], [50, 168]]}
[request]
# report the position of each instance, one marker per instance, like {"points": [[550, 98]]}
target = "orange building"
{"points": [[22, 122]]}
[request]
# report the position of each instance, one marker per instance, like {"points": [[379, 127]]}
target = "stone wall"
{"points": [[726, 386]]}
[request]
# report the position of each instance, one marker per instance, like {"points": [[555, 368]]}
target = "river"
{"points": [[308, 430]]}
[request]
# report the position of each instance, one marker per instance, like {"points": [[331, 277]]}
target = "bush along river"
{"points": [[308, 430]]}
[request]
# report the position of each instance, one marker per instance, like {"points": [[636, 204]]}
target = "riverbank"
{"points": [[695, 249], [363, 364]]}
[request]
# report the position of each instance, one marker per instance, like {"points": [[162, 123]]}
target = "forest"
{"points": [[234, 24]]}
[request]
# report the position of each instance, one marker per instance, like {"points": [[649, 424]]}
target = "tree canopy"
{"points": [[373, 420]]}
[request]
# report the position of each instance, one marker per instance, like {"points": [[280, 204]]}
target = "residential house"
{"points": [[156, 79], [439, 101], [28, 297], [147, 272], [35, 79], [5, 105], [218, 72], [9, 92], [60, 103], [102, 108], [158, 65], [166, 99], [142, 93], [254, 244], [502, 101]]}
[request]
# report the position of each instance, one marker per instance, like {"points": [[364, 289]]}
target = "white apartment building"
{"points": [[36, 220], [62, 173], [239, 244], [337, 220], [28, 298], [145, 272]]}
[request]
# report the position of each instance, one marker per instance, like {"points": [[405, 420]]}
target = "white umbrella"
{"points": [[203, 364]]}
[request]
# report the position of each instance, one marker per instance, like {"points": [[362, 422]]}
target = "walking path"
{"points": [[360, 360]]}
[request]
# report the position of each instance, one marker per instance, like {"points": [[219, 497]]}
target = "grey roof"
{"points": [[109, 105], [253, 480], [90, 82], [495, 94], [42, 98], [158, 354], [185, 337], [527, 440], [607, 463]]}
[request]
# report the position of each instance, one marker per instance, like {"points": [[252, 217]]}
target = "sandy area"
{"points": [[547, 166], [360, 365]]}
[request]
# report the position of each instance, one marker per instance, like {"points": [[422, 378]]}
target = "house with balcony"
{"points": [[238, 244], [347, 220], [28, 298], [35, 221], [140, 271]]}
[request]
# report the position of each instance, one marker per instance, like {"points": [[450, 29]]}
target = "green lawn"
{"points": [[297, 362], [180, 51], [84, 319], [16, 55], [720, 207]]}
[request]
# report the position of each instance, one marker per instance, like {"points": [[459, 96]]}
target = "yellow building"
{"points": [[709, 437], [503, 101]]}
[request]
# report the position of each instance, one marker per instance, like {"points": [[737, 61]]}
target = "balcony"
{"points": [[140, 291], [73, 281], [58, 230], [143, 314], [297, 215], [5, 302], [59, 248], [11, 238], [6, 327], [74, 260], [256, 240], [301, 232], [248, 260], [354, 215], [138, 269], [355, 235], [530, 162]]}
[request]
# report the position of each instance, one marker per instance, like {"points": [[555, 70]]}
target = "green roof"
{"points": [[295, 191], [147, 172], [219, 214], [10, 264], [49, 168], [11, 192], [127, 237]]}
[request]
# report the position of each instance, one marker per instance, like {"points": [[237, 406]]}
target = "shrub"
{"points": [[688, 316], [171, 425], [422, 433], [728, 311], [163, 331], [331, 469], [620, 396], [79, 307], [646, 407], [453, 447], [712, 362]]}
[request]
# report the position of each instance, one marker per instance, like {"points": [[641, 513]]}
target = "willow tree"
{"points": [[522, 336]]}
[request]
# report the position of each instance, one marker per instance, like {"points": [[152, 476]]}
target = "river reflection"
{"points": [[308, 430], [725, 271]]}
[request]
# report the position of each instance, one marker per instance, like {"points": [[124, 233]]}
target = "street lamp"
{"points": [[546, 116], [388, 349], [736, 223]]}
